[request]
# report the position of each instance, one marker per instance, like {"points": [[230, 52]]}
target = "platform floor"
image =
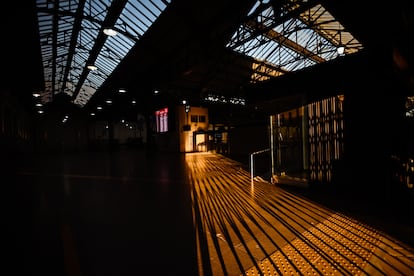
{"points": [[132, 212], [257, 228]]}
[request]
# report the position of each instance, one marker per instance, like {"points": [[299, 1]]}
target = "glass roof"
{"points": [[290, 35], [72, 38]]}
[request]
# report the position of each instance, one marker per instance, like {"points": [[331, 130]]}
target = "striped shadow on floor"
{"points": [[257, 228]]}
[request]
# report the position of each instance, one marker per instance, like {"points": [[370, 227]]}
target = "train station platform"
{"points": [[135, 212], [256, 228]]}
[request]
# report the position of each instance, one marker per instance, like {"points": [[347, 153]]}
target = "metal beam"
{"points": [[54, 44], [279, 38], [73, 42], [113, 14]]}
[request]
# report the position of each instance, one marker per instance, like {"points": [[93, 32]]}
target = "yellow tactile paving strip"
{"points": [[257, 228], [324, 250]]}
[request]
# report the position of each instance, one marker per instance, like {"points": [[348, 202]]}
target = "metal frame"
{"points": [[285, 36], [71, 38]]}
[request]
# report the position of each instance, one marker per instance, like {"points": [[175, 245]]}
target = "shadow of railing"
{"points": [[255, 228]]}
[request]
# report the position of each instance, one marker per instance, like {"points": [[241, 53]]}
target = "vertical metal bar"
{"points": [[279, 152], [251, 167], [272, 147]]}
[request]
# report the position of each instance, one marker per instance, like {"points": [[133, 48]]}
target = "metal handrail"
{"points": [[252, 161]]}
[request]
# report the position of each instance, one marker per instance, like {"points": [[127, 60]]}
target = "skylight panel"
{"points": [[295, 64], [44, 21], [69, 88], [119, 46], [291, 35], [135, 19], [105, 67], [299, 33], [253, 9], [96, 78], [89, 32], [261, 52], [266, 50], [281, 57], [138, 17], [84, 95], [96, 10], [330, 28], [267, 17], [147, 12], [133, 24], [107, 62]]}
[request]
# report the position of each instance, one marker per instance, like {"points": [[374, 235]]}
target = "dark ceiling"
{"points": [[183, 54]]}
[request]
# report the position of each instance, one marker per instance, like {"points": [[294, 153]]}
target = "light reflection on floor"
{"points": [[260, 229]]}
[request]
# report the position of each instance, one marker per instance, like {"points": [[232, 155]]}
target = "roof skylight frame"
{"points": [[57, 20], [298, 35]]}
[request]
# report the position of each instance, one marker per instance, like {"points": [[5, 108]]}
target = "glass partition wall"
{"points": [[307, 141]]}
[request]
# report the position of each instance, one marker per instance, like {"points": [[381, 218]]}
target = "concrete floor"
{"points": [[124, 212], [133, 212]]}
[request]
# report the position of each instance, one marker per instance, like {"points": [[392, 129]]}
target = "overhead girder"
{"points": [[110, 19], [260, 27], [73, 42]]}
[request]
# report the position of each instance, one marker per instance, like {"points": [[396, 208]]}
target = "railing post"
{"points": [[251, 167], [252, 162]]}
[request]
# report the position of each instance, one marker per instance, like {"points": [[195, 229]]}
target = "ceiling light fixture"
{"points": [[92, 67], [110, 32], [340, 50]]}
